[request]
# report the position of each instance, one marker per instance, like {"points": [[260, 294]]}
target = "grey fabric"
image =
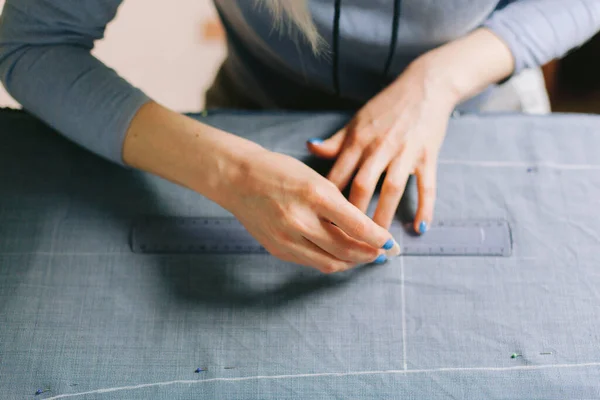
{"points": [[78, 308]]}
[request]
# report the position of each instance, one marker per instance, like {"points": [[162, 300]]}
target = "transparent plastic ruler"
{"points": [[226, 235]]}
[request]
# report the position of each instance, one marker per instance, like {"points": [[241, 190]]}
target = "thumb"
{"points": [[329, 148]]}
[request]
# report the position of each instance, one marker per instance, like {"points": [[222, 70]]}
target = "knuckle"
{"points": [[344, 266], [359, 229], [280, 211], [394, 185], [388, 139], [344, 253], [313, 192], [370, 254], [359, 139], [322, 195], [290, 222], [330, 187], [285, 237], [361, 186], [330, 268], [294, 223]]}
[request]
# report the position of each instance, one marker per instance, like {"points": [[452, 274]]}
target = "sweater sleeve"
{"points": [[537, 31], [46, 65]]}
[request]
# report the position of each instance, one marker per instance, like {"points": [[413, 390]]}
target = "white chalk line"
{"points": [[496, 164], [327, 374], [403, 298], [522, 164]]}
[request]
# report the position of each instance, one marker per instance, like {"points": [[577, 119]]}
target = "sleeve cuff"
{"points": [[116, 131], [512, 42]]}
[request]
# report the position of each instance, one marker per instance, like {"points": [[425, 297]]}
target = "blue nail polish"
{"points": [[423, 227], [315, 141], [388, 245], [380, 260]]}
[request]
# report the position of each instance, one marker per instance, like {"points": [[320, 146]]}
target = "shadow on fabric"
{"points": [[48, 181]]}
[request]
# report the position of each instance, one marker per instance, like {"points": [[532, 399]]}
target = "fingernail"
{"points": [[381, 259], [315, 141], [388, 245], [423, 227], [393, 250]]}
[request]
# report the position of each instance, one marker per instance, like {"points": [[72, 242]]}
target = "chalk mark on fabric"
{"points": [[521, 164], [403, 299], [490, 164], [328, 374]]}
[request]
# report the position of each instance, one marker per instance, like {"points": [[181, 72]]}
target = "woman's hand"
{"points": [[301, 217], [295, 213], [400, 131]]}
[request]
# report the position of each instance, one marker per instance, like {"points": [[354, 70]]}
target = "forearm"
{"points": [[526, 34], [468, 65], [185, 151]]}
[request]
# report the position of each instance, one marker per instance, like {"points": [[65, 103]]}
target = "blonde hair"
{"points": [[298, 13]]}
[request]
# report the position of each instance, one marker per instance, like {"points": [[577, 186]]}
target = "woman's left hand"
{"points": [[399, 132]]}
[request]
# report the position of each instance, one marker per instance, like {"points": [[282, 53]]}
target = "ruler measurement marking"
{"points": [[197, 235]]}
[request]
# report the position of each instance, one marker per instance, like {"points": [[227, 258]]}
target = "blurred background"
{"points": [[173, 53]]}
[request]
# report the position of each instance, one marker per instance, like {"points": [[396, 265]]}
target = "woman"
{"points": [[405, 64]]}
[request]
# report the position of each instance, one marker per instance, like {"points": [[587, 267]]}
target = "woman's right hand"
{"points": [[295, 213], [301, 217]]}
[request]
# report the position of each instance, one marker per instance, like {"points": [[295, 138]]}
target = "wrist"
{"points": [[437, 79], [464, 67], [184, 151]]}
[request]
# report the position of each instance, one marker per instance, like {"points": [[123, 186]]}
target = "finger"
{"points": [[309, 254], [392, 189], [357, 224], [366, 180], [426, 174], [344, 167], [334, 241], [329, 148], [299, 250]]}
